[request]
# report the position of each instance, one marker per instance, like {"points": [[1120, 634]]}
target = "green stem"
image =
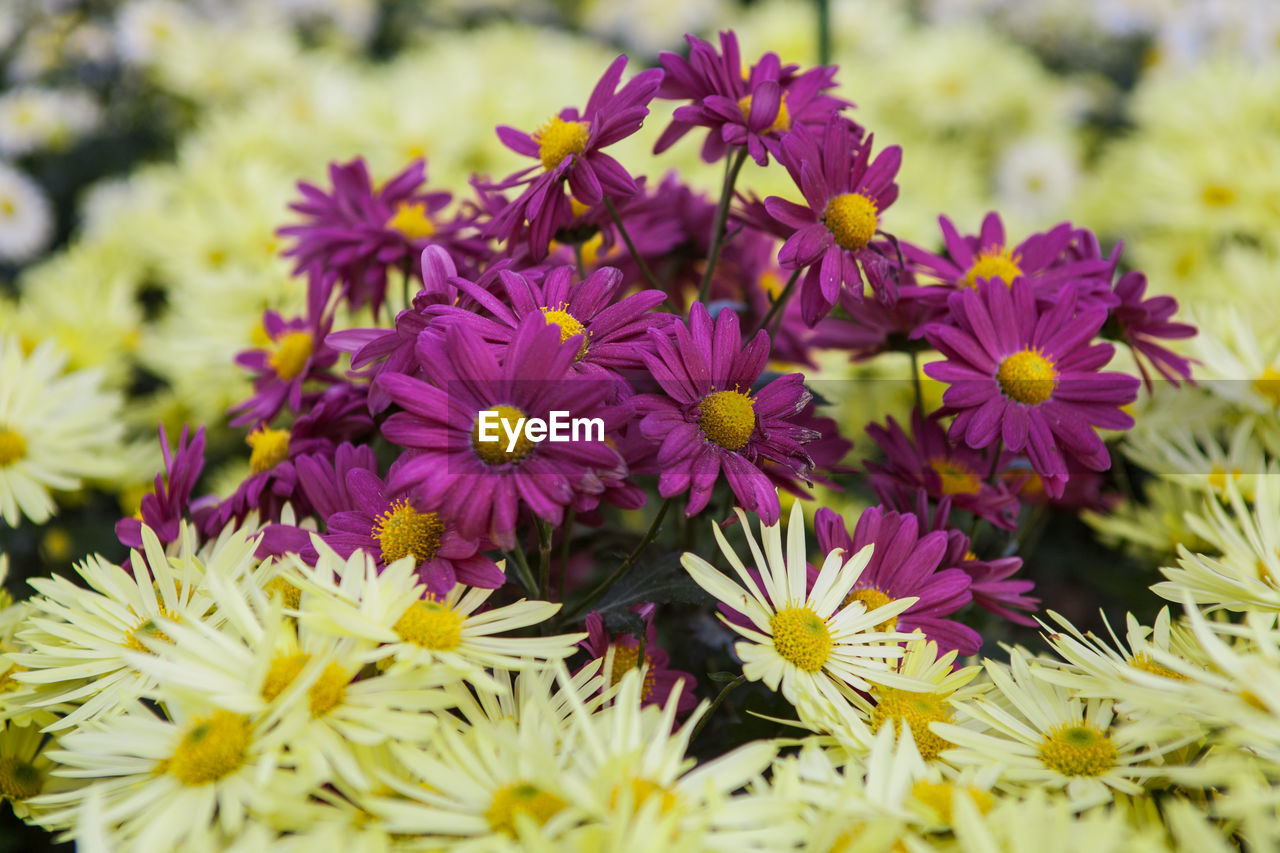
{"points": [[715, 703], [778, 305], [544, 558], [915, 378], [732, 168], [824, 32], [522, 569], [603, 587], [631, 247], [577, 256]]}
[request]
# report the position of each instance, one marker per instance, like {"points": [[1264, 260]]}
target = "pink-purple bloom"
{"points": [[164, 509], [659, 679], [295, 353]]}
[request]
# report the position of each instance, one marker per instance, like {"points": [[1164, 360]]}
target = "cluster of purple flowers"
{"points": [[655, 312]]}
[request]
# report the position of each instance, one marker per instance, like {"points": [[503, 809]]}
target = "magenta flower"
{"points": [[569, 147], [1029, 377], [295, 354], [928, 460], [612, 329], [1140, 322], [709, 420], [846, 193], [753, 109], [164, 509], [353, 233], [487, 483], [659, 680], [904, 564]]}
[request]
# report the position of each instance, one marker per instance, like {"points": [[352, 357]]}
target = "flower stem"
{"points": [[824, 32], [522, 569], [915, 378], [631, 247], [732, 168], [577, 256], [778, 305], [544, 558], [715, 703], [603, 587]]}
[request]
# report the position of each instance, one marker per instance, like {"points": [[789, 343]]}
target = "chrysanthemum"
{"points": [[26, 219], [56, 428], [846, 193], [295, 353], [569, 147], [622, 652], [1030, 378], [709, 420], [804, 643], [487, 483], [905, 562], [1140, 322], [24, 768], [163, 509]]}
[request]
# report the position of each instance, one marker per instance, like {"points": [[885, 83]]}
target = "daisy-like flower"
{"points": [[352, 234], [569, 147], [24, 768], [1043, 736], [751, 109], [612, 329], [622, 651], [295, 353], [56, 428], [710, 420], [804, 642], [1030, 378], [26, 218], [846, 193], [164, 509], [487, 482], [905, 562], [1140, 321]]}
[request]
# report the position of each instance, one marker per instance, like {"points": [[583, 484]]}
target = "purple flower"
{"points": [[846, 193], [709, 419], [1030, 377], [659, 680], [164, 509], [752, 109], [568, 147], [295, 354], [612, 330], [1140, 322], [904, 564], [353, 233], [487, 483]]}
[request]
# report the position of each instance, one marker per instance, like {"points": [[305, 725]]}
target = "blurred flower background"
{"points": [[149, 149]]}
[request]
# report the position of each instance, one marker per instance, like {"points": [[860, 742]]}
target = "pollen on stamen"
{"points": [[1078, 749], [495, 452], [411, 220], [12, 446], [727, 418], [402, 531], [558, 139], [210, 749], [568, 324], [917, 710], [872, 599], [1027, 376], [430, 625], [291, 354], [996, 262], [852, 219], [270, 447], [801, 637]]}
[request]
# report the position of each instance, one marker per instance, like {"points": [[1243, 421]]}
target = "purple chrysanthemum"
{"points": [[709, 420], [295, 354], [164, 509], [569, 148], [904, 564], [1030, 377], [846, 193], [1140, 321], [659, 680], [488, 482]]}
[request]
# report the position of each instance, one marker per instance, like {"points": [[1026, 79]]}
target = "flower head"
{"points": [[164, 509]]}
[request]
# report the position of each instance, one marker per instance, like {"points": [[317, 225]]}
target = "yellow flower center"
{"points": [[569, 326], [1144, 662], [283, 670], [148, 628], [852, 219], [290, 594], [1027, 377], [626, 658], [1268, 385], [996, 262], [431, 625], [270, 447], [1078, 749], [1216, 195], [212, 747], [291, 354], [728, 418], [781, 122], [521, 798], [495, 452], [937, 797], [329, 690], [872, 598], [558, 139], [801, 637], [917, 710], [641, 791], [20, 780], [1218, 477], [956, 478], [402, 531], [12, 447], [411, 220]]}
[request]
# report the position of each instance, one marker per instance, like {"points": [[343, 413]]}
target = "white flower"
{"points": [[26, 220]]}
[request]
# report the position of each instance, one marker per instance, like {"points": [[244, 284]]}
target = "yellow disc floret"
{"points": [[283, 670], [873, 598], [291, 354], [728, 418], [852, 219], [996, 262], [411, 220], [329, 690], [12, 446], [641, 791], [521, 798], [938, 797], [270, 447], [1078, 749], [402, 531], [917, 710], [956, 478], [627, 657], [431, 625], [781, 121], [1268, 385], [148, 628], [19, 780], [211, 747], [1144, 662], [569, 326], [801, 637], [495, 452], [1027, 376], [558, 139]]}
